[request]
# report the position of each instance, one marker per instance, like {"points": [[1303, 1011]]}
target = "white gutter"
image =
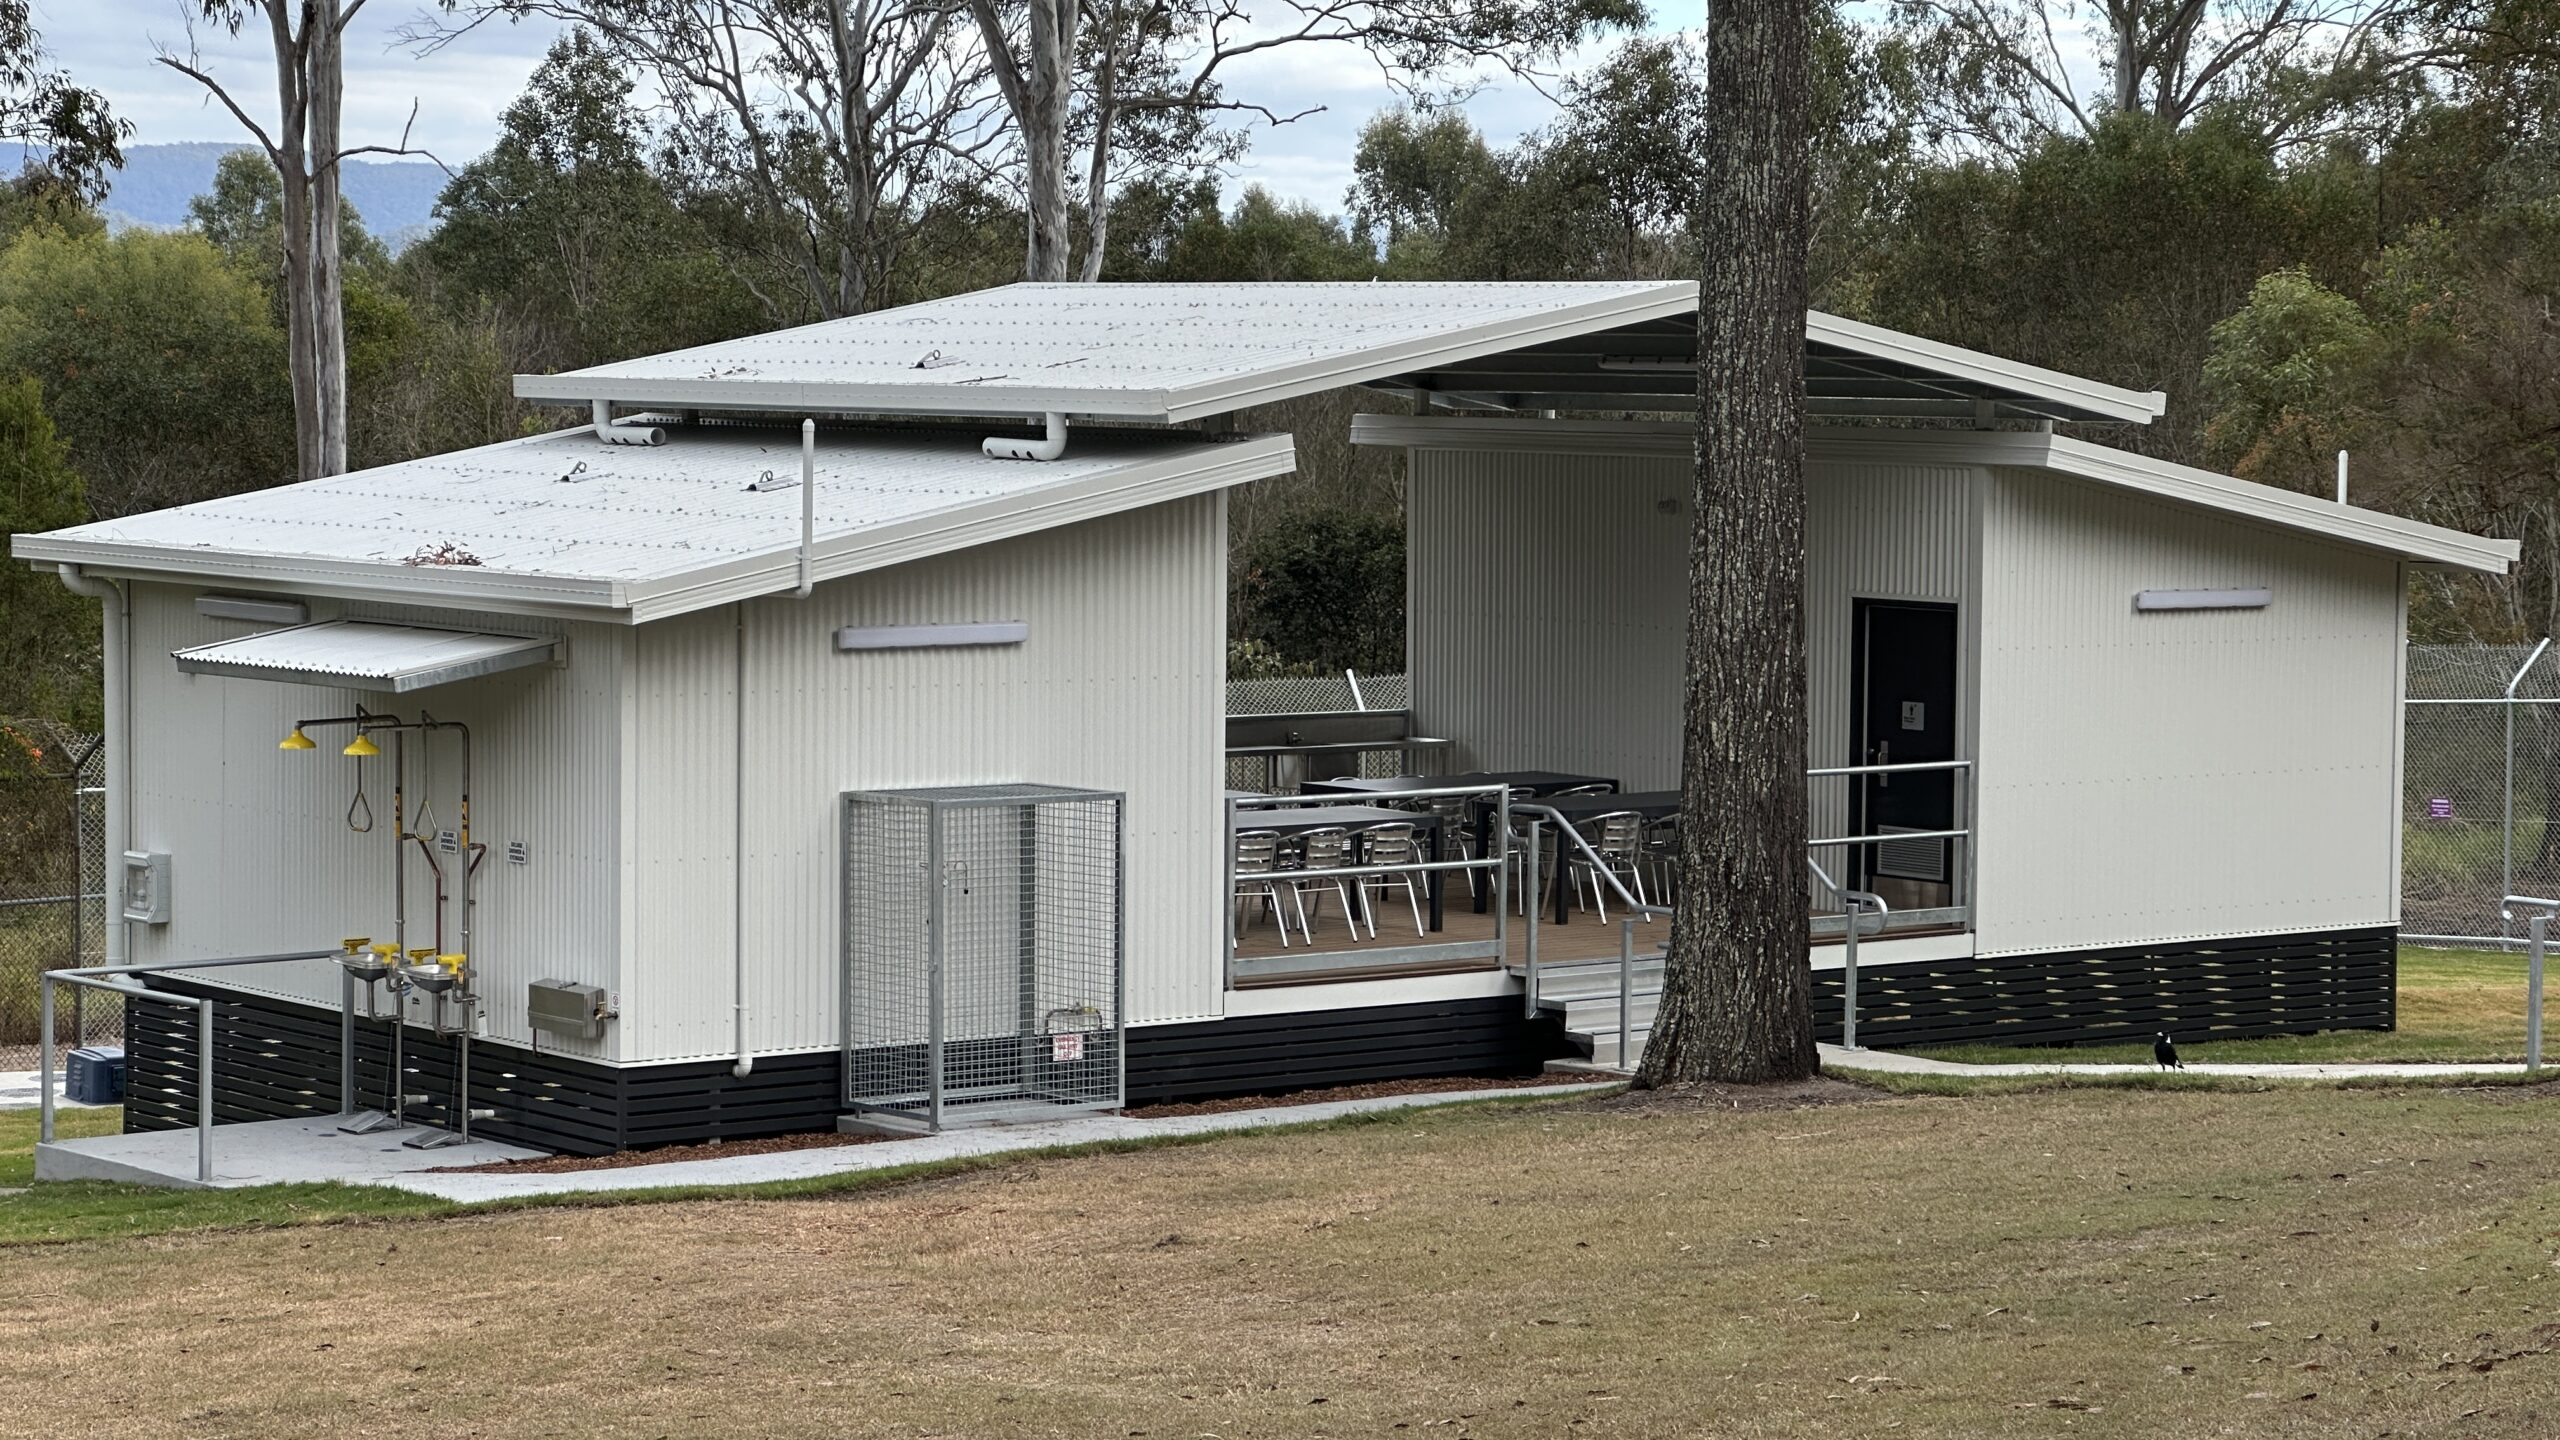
{"points": [[1005, 447], [116, 606]]}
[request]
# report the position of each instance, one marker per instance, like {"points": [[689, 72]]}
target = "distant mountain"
{"points": [[396, 197]]}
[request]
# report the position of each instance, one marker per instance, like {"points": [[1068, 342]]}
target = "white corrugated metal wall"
{"points": [[262, 858], [1548, 594], [1118, 687], [2178, 775]]}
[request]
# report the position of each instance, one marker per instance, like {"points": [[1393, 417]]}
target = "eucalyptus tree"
{"points": [[306, 145], [1736, 998], [1083, 79], [841, 125], [81, 137]]}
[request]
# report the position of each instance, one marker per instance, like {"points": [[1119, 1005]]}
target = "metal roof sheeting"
{"points": [[564, 522], [1172, 352], [1127, 351], [367, 655]]}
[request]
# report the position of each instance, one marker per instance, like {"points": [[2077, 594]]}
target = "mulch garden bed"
{"points": [[819, 1140], [1425, 1086], [664, 1155]]}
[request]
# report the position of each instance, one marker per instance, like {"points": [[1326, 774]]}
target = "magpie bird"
{"points": [[2165, 1052]]}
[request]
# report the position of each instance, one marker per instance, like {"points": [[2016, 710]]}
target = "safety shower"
{"points": [[443, 976]]}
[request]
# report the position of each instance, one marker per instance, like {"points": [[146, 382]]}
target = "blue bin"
{"points": [[95, 1075]]}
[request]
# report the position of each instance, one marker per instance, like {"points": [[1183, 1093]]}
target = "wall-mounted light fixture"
{"points": [[932, 637], [2251, 599]]}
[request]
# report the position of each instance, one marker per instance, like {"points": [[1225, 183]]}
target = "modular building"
{"points": [[612, 731]]}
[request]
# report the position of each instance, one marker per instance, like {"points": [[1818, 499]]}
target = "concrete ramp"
{"points": [[263, 1152]]}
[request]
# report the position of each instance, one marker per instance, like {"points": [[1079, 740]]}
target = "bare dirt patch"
{"points": [[2508, 1094], [1374, 1090], [1811, 1094]]}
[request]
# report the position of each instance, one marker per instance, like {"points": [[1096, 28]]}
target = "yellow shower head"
{"points": [[361, 746], [296, 741]]}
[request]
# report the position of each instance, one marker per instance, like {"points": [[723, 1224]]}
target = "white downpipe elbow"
{"points": [[1006, 447], [117, 613], [613, 434]]}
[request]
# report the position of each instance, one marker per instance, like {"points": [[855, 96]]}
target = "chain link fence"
{"points": [[2480, 772], [1317, 694], [52, 881]]}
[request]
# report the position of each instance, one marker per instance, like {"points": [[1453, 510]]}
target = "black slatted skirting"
{"points": [[1265, 1054], [275, 1059], [2204, 990]]}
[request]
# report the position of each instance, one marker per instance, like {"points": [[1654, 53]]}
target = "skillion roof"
{"points": [[566, 523], [1175, 352]]}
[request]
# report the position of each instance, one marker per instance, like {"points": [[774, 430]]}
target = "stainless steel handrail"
{"points": [[97, 977], [2536, 933], [1538, 817]]}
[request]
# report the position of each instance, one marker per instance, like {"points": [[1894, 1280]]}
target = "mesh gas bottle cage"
{"points": [[982, 954]]}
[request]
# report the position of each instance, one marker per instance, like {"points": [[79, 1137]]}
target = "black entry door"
{"points": [[1903, 688]]}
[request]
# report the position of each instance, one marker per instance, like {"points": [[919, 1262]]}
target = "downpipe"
{"points": [[116, 608], [745, 1064], [1049, 447]]}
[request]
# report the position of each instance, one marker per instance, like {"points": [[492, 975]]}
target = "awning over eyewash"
{"points": [[366, 655]]}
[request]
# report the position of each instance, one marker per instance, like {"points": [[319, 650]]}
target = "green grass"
{"points": [[88, 1210], [2454, 1005]]}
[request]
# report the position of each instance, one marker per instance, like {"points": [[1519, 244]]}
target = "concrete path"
{"points": [[20, 1090], [1895, 1063], [258, 1152], [923, 1149]]}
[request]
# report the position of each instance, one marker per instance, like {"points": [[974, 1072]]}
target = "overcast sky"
{"points": [[110, 44]]}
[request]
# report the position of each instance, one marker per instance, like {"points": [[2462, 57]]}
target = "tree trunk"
{"points": [[290, 154], [1736, 1000], [1044, 137], [327, 92]]}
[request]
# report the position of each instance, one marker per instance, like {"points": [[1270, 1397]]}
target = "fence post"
{"points": [[2507, 790]]}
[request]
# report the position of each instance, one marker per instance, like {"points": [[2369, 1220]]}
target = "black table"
{"points": [[1651, 804], [1299, 819]]}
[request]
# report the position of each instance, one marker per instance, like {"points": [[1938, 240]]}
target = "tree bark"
{"points": [[326, 86], [1736, 1000]]}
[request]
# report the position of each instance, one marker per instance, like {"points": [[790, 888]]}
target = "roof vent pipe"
{"points": [[808, 502], [1005, 447]]}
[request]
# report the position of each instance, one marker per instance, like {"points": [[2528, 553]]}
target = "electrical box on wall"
{"points": [[146, 886], [564, 1007]]}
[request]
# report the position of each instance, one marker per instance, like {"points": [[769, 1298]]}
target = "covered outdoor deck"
{"points": [[1367, 877]]}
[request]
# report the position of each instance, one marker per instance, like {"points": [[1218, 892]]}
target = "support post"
{"points": [[2536, 930], [1530, 904], [44, 1061], [347, 1040], [1627, 993], [1849, 978], [204, 1091]]}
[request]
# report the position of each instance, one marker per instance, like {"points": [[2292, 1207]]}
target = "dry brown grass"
{"points": [[2292, 1263]]}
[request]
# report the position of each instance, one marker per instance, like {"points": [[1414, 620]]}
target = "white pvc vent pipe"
{"points": [[1006, 447]]}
